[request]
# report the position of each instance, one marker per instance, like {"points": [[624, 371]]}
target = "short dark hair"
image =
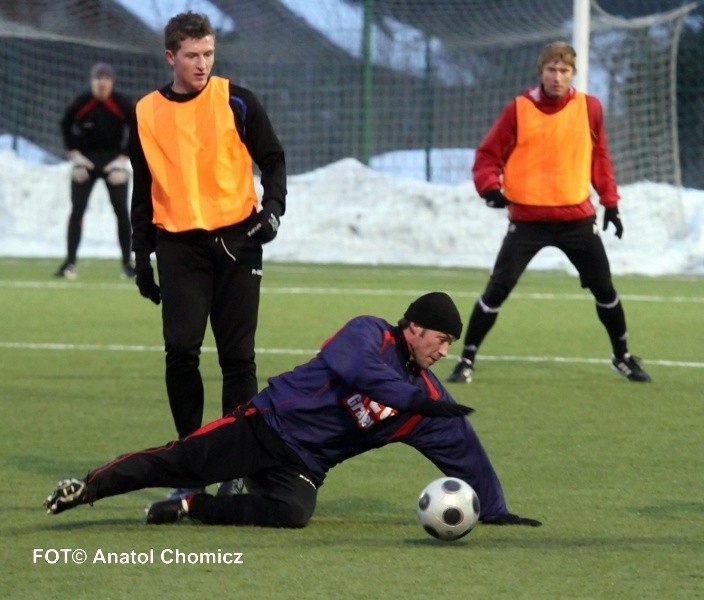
{"points": [[186, 25]]}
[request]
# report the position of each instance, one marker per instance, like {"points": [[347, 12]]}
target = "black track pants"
{"points": [[282, 491]]}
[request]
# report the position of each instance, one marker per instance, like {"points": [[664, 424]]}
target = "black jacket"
{"points": [[89, 125]]}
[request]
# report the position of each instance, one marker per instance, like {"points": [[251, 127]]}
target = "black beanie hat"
{"points": [[436, 311]]}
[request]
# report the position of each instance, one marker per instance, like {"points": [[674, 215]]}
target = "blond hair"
{"points": [[561, 51]]}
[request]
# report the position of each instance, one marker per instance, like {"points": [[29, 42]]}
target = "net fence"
{"points": [[437, 73], [409, 87]]}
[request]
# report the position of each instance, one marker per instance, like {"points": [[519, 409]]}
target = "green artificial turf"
{"points": [[613, 469]]}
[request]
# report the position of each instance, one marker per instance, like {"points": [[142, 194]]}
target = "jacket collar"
{"points": [[404, 351]]}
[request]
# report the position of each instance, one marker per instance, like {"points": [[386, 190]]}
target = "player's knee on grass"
{"points": [[250, 509], [294, 515]]}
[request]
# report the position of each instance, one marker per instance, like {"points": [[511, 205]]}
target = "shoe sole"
{"points": [[181, 493]]}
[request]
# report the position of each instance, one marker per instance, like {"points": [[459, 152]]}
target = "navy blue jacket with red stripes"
{"points": [[356, 394]]}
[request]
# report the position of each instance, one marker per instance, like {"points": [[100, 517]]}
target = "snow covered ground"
{"points": [[348, 213]]}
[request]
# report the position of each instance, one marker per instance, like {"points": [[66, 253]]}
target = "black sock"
{"points": [[480, 323], [614, 320]]}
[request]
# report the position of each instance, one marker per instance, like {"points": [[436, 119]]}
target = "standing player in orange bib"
{"points": [[538, 160], [192, 145]]}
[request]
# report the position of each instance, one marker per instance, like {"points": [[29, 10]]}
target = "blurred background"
{"points": [[362, 78], [403, 88]]}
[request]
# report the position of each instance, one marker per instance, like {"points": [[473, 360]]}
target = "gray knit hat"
{"points": [[436, 311], [102, 69]]}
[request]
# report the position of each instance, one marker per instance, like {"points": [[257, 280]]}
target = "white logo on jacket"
{"points": [[367, 411]]}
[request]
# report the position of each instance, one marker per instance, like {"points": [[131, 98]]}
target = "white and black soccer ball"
{"points": [[448, 508]]}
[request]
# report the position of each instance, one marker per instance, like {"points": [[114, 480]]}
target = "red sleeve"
{"points": [[603, 179], [494, 150]]}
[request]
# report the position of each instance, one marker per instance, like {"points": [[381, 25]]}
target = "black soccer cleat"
{"points": [[233, 487], [463, 371], [510, 519], [179, 493], [127, 271], [167, 511], [628, 366], [67, 270], [67, 494]]}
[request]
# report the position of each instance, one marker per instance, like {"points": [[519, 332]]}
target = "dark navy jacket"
{"points": [[356, 394]]}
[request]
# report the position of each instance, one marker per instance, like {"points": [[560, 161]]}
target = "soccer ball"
{"points": [[448, 508]]}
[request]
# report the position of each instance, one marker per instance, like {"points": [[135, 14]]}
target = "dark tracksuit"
{"points": [[355, 395], [98, 130], [209, 274]]}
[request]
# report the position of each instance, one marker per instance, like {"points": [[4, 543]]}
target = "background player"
{"points": [[94, 129]]}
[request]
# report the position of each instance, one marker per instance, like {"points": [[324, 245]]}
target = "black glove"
{"points": [[144, 277], [495, 199], [266, 223], [611, 216], [510, 519], [439, 408]]}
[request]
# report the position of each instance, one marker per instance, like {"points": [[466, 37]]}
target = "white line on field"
{"points": [[318, 291], [473, 294], [304, 352]]}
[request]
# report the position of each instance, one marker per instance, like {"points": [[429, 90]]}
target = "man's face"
{"points": [[427, 345], [192, 64], [556, 78], [101, 87]]}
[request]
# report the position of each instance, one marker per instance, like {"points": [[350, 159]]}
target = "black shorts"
{"points": [[579, 240]]}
